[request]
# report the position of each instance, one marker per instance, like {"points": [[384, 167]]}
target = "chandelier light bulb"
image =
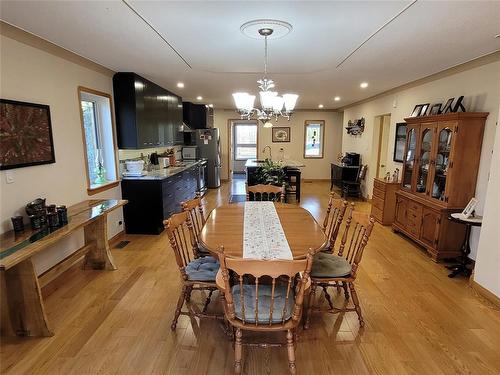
{"points": [[267, 99], [290, 101], [268, 124]]}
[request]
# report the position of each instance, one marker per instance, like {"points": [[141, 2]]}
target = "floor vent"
{"points": [[121, 244]]}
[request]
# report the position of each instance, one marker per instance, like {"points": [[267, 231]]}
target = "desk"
{"points": [[22, 310], [339, 173], [224, 227]]}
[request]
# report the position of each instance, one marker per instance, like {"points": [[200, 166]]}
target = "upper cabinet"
{"points": [[147, 115], [198, 116], [441, 157]]}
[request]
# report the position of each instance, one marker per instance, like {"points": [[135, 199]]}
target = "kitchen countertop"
{"points": [[255, 163], [161, 174]]}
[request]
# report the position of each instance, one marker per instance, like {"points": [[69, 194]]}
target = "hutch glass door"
{"points": [[442, 163], [424, 159], [409, 158]]}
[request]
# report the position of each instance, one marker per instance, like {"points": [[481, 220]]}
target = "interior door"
{"points": [[412, 135]]}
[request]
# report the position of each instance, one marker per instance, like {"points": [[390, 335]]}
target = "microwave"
{"points": [[190, 153]]}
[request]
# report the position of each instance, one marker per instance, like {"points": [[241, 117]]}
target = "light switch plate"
{"points": [[9, 177]]}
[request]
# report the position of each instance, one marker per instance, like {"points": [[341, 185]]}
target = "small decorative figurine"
{"points": [[395, 175], [387, 177]]}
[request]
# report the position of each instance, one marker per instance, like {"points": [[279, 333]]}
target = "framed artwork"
{"points": [[435, 109], [314, 135], [281, 134], [423, 111], [447, 106], [399, 142], [416, 110], [26, 134], [469, 209]]}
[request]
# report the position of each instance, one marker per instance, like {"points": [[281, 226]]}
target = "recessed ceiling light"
{"points": [[199, 98], [497, 36], [364, 85], [180, 85], [320, 106], [337, 98]]}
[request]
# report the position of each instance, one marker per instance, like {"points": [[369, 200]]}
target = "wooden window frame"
{"points": [[322, 130], [110, 184]]}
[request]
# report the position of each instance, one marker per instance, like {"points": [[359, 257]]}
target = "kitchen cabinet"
{"points": [[198, 116], [153, 201], [440, 167], [147, 115]]}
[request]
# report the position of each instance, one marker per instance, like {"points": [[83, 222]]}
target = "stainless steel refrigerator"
{"points": [[208, 142]]}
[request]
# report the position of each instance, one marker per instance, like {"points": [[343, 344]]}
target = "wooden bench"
{"points": [[22, 311]]}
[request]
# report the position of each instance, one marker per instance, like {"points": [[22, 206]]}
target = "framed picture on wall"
{"points": [[399, 142], [281, 134], [26, 134]]}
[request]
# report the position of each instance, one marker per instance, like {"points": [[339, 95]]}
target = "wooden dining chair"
{"points": [[194, 208], [196, 273], [264, 296], [329, 270], [333, 219], [262, 192]]}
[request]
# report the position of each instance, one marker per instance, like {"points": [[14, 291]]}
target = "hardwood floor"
{"points": [[418, 321]]}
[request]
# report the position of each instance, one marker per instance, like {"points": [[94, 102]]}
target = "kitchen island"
{"points": [[154, 197]]}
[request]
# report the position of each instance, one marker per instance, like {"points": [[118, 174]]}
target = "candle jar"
{"points": [[62, 213], [17, 223], [36, 222], [53, 219]]}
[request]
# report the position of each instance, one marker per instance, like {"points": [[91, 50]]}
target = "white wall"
{"points": [[486, 271], [294, 150], [481, 88], [34, 75]]}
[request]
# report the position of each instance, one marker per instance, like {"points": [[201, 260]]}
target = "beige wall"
{"points": [[481, 88], [488, 255], [294, 150], [33, 75]]}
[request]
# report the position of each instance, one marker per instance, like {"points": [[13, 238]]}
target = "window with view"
{"points": [[97, 128], [313, 139], [245, 141]]}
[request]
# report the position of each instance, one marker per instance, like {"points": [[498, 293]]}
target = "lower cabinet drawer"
{"points": [[379, 185], [378, 193], [378, 202], [377, 213]]}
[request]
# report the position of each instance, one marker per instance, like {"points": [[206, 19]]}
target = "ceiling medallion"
{"points": [[272, 104]]}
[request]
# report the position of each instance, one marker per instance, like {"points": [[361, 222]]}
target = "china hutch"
{"points": [[440, 167]]}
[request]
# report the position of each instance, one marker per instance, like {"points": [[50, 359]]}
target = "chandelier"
{"points": [[272, 105]]}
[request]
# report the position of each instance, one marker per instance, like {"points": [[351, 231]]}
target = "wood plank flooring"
{"points": [[418, 321]]}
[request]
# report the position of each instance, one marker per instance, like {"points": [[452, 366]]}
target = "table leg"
{"points": [[99, 256], [464, 258], [23, 313]]}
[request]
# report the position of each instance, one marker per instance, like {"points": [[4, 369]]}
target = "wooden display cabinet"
{"points": [[440, 167]]}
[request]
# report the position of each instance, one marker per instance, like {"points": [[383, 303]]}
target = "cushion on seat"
{"points": [[329, 265], [202, 269], [264, 303]]}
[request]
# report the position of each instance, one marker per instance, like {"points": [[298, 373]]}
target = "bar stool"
{"points": [[293, 179]]}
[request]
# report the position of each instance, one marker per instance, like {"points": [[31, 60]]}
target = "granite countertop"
{"points": [[161, 174], [254, 163]]}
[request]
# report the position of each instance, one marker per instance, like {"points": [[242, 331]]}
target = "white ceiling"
{"points": [[424, 39]]}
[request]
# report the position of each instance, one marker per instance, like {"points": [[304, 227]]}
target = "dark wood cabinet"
{"points": [[439, 177], [152, 201], [197, 116], [147, 115]]}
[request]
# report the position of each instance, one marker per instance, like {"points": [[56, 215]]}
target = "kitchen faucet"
{"points": [[270, 152]]}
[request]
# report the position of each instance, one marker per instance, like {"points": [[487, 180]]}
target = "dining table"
{"points": [[225, 225]]}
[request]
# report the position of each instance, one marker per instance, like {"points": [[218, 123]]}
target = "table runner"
{"points": [[263, 235]]}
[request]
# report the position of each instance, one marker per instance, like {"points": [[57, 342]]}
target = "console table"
{"points": [[341, 172], [22, 310]]}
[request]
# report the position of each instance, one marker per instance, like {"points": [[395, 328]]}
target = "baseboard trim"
{"points": [[485, 293]]}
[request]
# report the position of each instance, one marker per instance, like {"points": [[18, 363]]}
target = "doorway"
{"points": [[243, 136], [381, 143]]}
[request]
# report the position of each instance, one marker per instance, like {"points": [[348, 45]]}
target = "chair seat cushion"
{"points": [[329, 265], [202, 269], [203, 251], [265, 292]]}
